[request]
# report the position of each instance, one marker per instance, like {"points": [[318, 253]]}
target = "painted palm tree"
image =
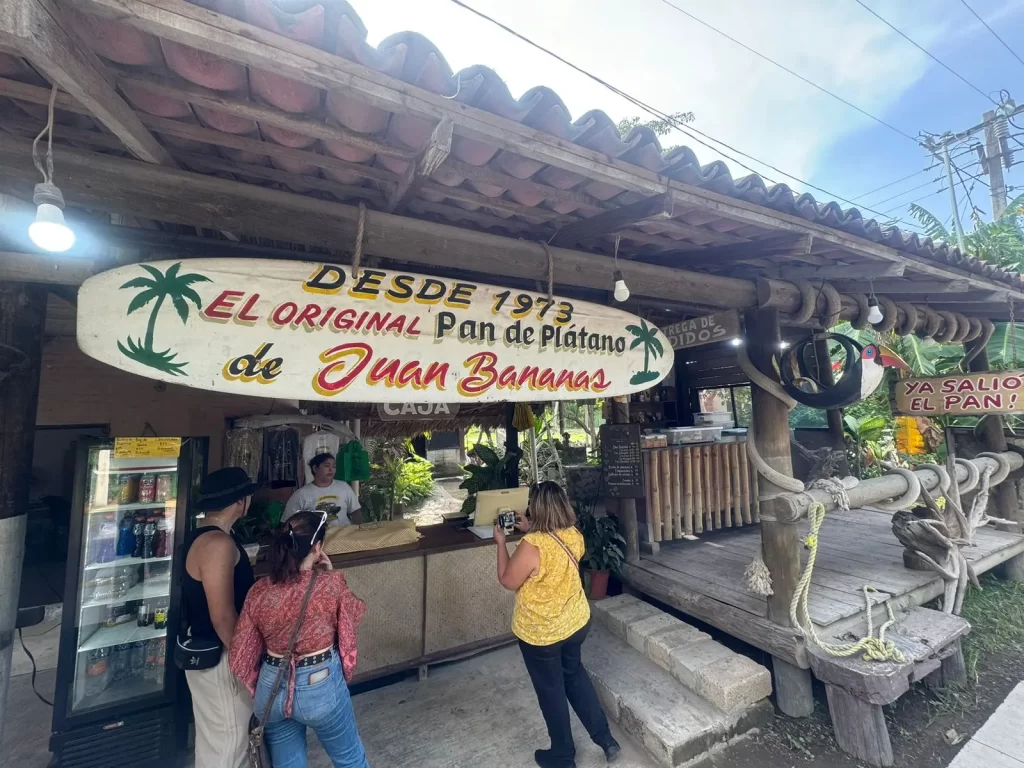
{"points": [[157, 288], [647, 335]]}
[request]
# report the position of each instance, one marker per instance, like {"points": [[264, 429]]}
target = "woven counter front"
{"points": [[364, 538]]}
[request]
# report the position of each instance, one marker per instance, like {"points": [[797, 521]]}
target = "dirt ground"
{"points": [[927, 728]]}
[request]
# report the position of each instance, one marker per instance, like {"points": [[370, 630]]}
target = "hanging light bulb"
{"points": [[49, 231], [736, 341], [621, 292], [875, 315], [783, 344]]}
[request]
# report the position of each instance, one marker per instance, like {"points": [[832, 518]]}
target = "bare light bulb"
{"points": [[783, 345], [621, 292], [49, 231], [875, 315], [736, 341]]}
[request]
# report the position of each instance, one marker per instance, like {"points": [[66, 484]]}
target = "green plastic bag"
{"points": [[353, 463]]}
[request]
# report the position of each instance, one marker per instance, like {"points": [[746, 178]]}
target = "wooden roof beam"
{"points": [[37, 30], [611, 221], [436, 152], [723, 255], [871, 271], [238, 41], [902, 286]]}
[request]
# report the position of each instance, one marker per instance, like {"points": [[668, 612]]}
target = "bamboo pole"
{"points": [[677, 494], [727, 483], [655, 519], [716, 468], [737, 507], [665, 475], [648, 495], [709, 495], [687, 459], [698, 491], [748, 516]]}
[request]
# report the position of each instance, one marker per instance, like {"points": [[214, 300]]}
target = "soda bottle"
{"points": [[161, 547], [106, 539], [160, 616], [126, 537], [154, 659], [138, 523], [122, 583], [137, 656], [148, 535], [97, 671], [118, 663]]}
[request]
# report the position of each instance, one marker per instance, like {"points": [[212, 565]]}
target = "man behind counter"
{"points": [[325, 494]]}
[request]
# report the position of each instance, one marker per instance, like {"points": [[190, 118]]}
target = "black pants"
{"points": [[560, 679]]}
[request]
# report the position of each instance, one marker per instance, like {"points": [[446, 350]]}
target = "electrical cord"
{"points": [[994, 34], [32, 659]]}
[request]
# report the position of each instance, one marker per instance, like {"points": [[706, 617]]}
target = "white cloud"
{"points": [[660, 56]]}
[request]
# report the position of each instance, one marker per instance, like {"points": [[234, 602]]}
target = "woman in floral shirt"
{"points": [[314, 691]]}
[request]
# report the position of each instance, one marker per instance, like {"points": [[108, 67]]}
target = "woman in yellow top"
{"points": [[551, 620]]}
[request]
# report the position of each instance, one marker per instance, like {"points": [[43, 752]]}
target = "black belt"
{"points": [[305, 661]]}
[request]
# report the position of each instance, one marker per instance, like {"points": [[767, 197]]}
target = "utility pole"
{"points": [[952, 193], [997, 155]]}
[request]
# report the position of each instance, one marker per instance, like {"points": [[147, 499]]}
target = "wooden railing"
{"points": [[693, 489]]}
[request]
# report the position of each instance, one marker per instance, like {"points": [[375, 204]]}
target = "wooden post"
{"points": [[1003, 499], [627, 507], [836, 431], [654, 518], [511, 445], [698, 489], [687, 480], [22, 317], [780, 542], [677, 494]]}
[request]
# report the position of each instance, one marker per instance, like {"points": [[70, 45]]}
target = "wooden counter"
{"points": [[427, 602]]}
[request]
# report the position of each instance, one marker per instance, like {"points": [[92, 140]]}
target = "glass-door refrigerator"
{"points": [[119, 696]]}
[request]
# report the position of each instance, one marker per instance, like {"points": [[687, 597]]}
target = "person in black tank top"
{"points": [[216, 578]]}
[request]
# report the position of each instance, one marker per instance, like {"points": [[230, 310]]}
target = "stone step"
{"points": [[672, 723], [728, 680]]}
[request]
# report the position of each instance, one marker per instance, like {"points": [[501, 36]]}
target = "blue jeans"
{"points": [[323, 705]]}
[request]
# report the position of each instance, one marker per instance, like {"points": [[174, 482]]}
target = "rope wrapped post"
{"points": [[780, 541], [990, 432]]}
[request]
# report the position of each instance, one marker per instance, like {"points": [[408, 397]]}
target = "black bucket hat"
{"points": [[223, 487]]}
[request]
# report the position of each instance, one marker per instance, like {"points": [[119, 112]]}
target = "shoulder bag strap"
{"points": [[565, 549], [286, 662]]}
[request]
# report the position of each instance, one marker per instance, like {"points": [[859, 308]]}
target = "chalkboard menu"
{"points": [[621, 461]]}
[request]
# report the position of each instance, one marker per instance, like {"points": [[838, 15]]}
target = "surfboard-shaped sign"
{"points": [[312, 331]]}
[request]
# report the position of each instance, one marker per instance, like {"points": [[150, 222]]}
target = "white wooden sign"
{"points": [[309, 331], [703, 330], [416, 411]]}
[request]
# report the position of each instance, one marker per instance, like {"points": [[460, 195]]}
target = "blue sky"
{"points": [[669, 61]]}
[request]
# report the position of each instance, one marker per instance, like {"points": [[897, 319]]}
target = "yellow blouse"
{"points": [[551, 607]]}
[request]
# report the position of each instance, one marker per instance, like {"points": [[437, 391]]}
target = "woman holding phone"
{"points": [[551, 620], [313, 691]]}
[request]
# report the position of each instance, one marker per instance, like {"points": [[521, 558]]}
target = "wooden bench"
{"points": [[857, 689]]}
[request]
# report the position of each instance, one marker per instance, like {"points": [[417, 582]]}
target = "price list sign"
{"points": [[621, 461]]}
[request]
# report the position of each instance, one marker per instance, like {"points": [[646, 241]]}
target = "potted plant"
{"points": [[605, 551]]}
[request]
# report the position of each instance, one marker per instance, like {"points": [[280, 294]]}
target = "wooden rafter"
{"points": [[903, 286], [870, 270], [724, 255], [247, 44], [437, 150], [37, 30], [652, 209]]}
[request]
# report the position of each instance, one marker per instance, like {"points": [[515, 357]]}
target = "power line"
{"points": [[923, 197], [684, 129], [996, 36], [926, 52], [912, 175], [784, 68], [908, 191]]}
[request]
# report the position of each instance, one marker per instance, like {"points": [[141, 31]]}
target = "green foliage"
{"points": [[999, 242], [660, 127], [605, 547], [487, 472], [397, 477]]}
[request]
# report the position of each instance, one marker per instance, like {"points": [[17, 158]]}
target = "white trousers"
{"points": [[221, 707]]}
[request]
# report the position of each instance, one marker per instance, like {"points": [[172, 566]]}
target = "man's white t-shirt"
{"points": [[338, 499]]}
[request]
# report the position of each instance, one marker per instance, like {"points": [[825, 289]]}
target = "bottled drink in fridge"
{"points": [[103, 543], [122, 582], [164, 487], [119, 662], [148, 536], [137, 660], [155, 650], [97, 671], [147, 489], [126, 536], [160, 616], [138, 523], [128, 489]]}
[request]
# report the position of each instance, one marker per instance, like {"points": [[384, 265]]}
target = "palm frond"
{"points": [[181, 306], [139, 282], [156, 273], [933, 227], [142, 299], [187, 293], [172, 271]]}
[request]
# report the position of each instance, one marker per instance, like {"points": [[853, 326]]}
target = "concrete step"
{"points": [[728, 680], [672, 723]]}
